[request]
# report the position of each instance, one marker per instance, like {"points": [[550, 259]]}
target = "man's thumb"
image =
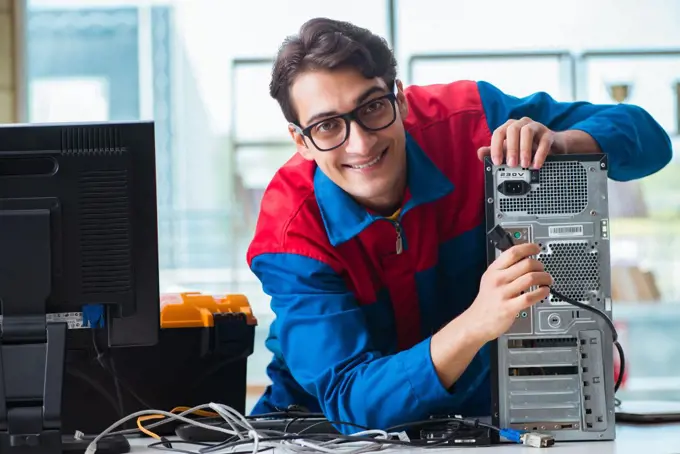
{"points": [[483, 151]]}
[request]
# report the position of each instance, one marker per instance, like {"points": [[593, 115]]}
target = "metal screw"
{"points": [[499, 215], [593, 213], [602, 165], [592, 169], [489, 200], [488, 169]]}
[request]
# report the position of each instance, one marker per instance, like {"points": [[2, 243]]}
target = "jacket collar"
{"points": [[344, 218]]}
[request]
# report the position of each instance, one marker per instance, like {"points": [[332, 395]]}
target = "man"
{"points": [[370, 240]]}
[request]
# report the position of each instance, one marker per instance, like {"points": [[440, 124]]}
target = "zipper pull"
{"points": [[400, 244]]}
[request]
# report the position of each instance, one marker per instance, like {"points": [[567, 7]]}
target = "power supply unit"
{"points": [[553, 370]]}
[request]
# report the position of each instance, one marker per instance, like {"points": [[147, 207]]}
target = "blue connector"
{"points": [[93, 316], [512, 435]]}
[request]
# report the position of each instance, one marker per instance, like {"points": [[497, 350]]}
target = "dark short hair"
{"points": [[329, 44]]}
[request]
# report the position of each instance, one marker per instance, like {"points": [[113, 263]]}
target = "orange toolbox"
{"points": [[196, 310], [201, 356]]}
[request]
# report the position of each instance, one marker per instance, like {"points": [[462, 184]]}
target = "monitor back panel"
{"points": [[553, 370]]}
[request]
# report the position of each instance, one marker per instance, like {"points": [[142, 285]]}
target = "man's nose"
{"points": [[360, 141]]}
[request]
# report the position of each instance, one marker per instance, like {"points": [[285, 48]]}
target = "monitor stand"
{"points": [[32, 351]]}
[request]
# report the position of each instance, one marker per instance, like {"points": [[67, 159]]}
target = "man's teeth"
{"points": [[369, 164]]}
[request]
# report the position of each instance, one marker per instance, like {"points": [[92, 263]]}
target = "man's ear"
{"points": [[402, 104], [300, 142]]}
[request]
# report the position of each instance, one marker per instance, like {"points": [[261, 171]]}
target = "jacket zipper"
{"points": [[400, 242]]}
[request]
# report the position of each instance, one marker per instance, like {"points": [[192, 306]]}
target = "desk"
{"points": [[652, 439]]}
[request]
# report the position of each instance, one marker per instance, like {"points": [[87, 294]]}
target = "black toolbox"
{"points": [[201, 357]]}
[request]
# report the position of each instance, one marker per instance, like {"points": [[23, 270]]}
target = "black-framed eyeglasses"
{"points": [[374, 115]]}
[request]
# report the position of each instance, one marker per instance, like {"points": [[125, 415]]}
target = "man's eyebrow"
{"points": [[320, 115], [361, 98], [364, 96]]}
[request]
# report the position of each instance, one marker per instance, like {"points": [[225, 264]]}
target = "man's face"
{"points": [[369, 165]]}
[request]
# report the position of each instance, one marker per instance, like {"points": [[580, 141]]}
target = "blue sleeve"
{"points": [[635, 144], [326, 345]]}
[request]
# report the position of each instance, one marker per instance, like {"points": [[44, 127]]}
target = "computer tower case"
{"points": [[553, 370]]}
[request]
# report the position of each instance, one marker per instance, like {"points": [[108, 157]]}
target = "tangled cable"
{"points": [[241, 432]]}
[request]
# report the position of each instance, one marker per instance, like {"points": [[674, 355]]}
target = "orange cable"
{"points": [[149, 433]]}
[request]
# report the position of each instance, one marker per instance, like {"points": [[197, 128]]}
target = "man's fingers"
{"points": [[528, 299], [483, 152], [526, 143], [543, 149], [525, 282], [509, 135], [521, 268], [514, 255], [497, 140], [512, 143]]}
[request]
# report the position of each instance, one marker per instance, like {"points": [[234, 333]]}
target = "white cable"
{"points": [[152, 425], [92, 447], [228, 413], [330, 447], [228, 409], [256, 442], [228, 418], [240, 427]]}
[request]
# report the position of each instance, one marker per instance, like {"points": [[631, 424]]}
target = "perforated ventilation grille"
{"points": [[105, 232], [91, 140], [574, 265], [563, 189]]}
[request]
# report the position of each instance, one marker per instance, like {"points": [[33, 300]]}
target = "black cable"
{"points": [[556, 294], [334, 423], [286, 414], [475, 423], [615, 334], [294, 414], [622, 367], [292, 420], [165, 445]]}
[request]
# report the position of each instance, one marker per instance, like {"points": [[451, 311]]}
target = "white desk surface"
{"points": [[650, 439]]}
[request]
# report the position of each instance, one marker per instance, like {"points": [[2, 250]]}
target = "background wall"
{"points": [[7, 65], [200, 69]]}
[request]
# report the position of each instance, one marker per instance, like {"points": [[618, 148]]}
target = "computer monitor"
{"points": [[78, 249]]}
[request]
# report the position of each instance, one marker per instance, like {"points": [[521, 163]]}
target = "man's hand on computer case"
{"points": [[503, 290]]}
